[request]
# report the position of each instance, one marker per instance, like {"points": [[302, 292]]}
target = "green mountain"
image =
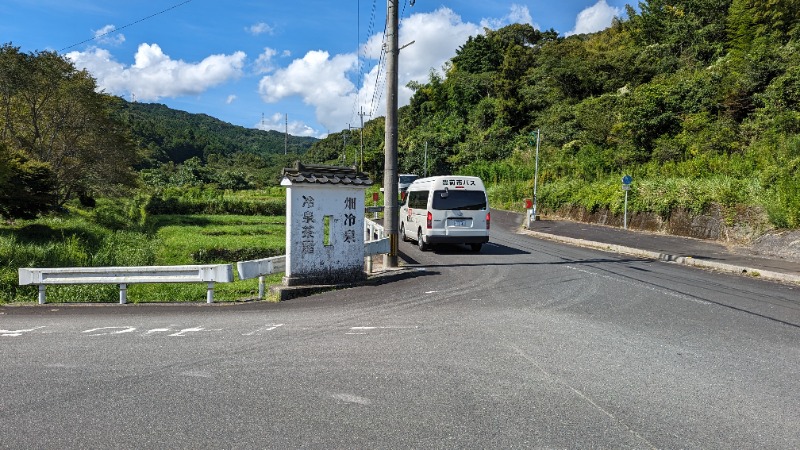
{"points": [[171, 135]]}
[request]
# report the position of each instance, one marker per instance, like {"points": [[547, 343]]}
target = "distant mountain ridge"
{"points": [[172, 135]]}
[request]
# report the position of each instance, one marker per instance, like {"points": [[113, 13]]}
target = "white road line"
{"points": [[184, 331], [263, 329], [16, 333], [157, 330], [122, 330]]}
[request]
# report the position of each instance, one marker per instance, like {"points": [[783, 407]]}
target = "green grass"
{"points": [[207, 239], [75, 241]]}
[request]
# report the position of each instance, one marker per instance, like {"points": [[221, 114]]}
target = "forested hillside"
{"points": [[181, 149], [696, 99], [172, 135]]}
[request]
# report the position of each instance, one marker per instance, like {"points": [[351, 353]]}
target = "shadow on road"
{"points": [[489, 249]]}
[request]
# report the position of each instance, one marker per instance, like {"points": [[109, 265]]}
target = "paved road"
{"points": [[528, 343]]}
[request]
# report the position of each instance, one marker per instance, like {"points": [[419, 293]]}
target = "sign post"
{"points": [[532, 215], [626, 186]]}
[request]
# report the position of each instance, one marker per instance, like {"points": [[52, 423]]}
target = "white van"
{"points": [[448, 209], [404, 180]]}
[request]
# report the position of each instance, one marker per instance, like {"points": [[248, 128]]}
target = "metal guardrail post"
{"points": [[123, 293], [41, 294], [210, 292]]}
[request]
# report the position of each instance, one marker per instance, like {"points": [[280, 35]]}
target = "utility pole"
{"points": [[350, 129], [391, 216], [362, 114], [535, 175], [286, 137], [425, 166]]}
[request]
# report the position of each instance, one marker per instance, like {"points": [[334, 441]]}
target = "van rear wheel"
{"points": [[475, 247], [403, 232], [420, 243]]}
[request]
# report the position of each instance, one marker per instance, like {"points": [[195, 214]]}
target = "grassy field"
{"points": [[137, 232], [75, 241]]}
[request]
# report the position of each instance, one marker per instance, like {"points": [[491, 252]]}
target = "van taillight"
{"points": [[430, 220], [488, 220]]}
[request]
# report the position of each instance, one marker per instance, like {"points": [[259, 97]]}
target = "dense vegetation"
{"points": [[696, 99], [194, 226], [183, 149]]}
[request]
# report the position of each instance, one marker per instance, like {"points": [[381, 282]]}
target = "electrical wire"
{"points": [[380, 83], [125, 26], [362, 56], [381, 70]]}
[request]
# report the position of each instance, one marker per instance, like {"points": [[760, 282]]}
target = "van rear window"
{"points": [[458, 199]]}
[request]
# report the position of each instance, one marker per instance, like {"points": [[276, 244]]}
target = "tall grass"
{"points": [[123, 232], [659, 196]]}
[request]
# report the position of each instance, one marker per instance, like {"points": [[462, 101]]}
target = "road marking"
{"points": [[263, 329], [363, 330], [122, 330], [184, 331], [157, 330], [16, 333], [350, 398]]}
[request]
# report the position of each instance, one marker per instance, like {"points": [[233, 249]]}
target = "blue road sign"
{"points": [[627, 179]]}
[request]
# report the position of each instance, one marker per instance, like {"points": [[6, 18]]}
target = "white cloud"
{"points": [[108, 35], [155, 75], [518, 14], [264, 62], [323, 81], [277, 122], [320, 81], [231, 98], [595, 18], [259, 28]]}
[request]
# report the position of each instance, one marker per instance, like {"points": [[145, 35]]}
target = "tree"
{"points": [[25, 185], [53, 115]]}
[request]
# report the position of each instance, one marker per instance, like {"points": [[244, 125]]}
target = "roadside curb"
{"points": [[683, 260], [283, 293]]}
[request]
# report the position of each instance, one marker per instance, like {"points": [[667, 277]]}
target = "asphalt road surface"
{"points": [[527, 344]]}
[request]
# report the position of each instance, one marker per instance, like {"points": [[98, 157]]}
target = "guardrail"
{"points": [[123, 276], [375, 241], [259, 268]]}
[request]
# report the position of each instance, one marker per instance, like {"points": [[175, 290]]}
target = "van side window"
{"points": [[418, 200]]}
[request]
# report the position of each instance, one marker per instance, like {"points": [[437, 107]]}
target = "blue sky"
{"points": [[256, 62]]}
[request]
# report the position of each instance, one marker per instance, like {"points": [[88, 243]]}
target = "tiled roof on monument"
{"points": [[321, 174]]}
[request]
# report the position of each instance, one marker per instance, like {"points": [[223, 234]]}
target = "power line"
{"points": [[381, 64], [125, 26], [361, 54]]}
